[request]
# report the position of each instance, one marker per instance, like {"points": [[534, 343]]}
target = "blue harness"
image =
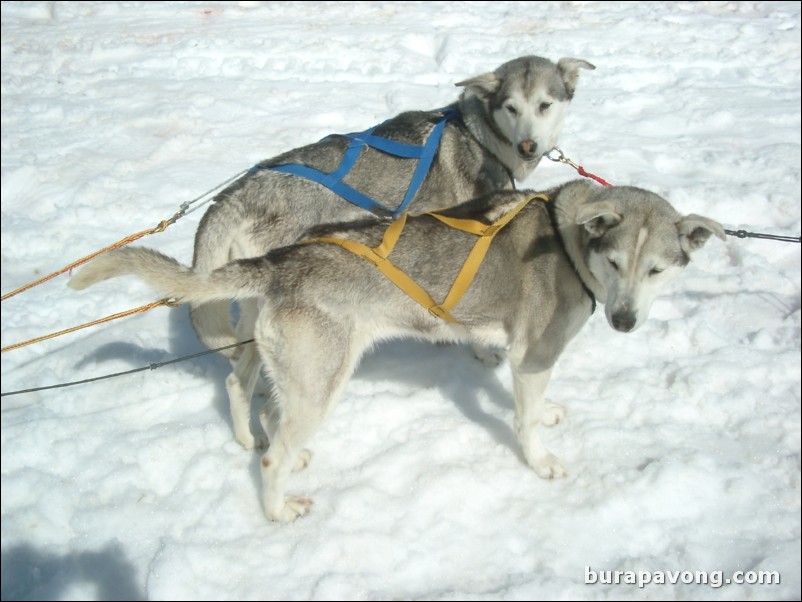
{"points": [[333, 181]]}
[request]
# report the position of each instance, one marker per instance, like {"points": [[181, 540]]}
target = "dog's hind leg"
{"points": [[530, 412], [249, 312], [310, 357], [269, 415], [241, 383]]}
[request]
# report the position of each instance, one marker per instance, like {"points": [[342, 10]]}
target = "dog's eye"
{"points": [[544, 106], [511, 110], [654, 271], [614, 264]]}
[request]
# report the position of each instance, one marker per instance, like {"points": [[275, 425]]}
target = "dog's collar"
{"points": [[552, 216]]}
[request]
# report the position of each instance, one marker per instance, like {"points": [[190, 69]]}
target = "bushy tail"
{"points": [[169, 277]]}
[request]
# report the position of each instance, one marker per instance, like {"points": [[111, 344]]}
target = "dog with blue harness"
{"points": [[496, 133]]}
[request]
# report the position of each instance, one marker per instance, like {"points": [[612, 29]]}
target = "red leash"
{"points": [[561, 158]]}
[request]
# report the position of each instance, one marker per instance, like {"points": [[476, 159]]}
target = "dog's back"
{"points": [[481, 151]]}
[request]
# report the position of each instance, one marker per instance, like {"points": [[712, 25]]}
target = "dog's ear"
{"points": [[597, 217], [569, 68], [694, 230], [482, 85]]}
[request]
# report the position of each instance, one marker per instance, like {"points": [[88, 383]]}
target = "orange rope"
{"points": [[123, 314], [161, 227], [128, 239]]}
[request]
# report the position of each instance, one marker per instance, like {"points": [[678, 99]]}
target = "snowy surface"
{"points": [[682, 439]]}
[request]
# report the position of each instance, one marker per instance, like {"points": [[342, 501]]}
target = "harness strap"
{"points": [[379, 256], [391, 147], [333, 181], [351, 195], [486, 233], [427, 156], [349, 158]]}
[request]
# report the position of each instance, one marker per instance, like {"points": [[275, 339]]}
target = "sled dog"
{"points": [[497, 132], [321, 306]]}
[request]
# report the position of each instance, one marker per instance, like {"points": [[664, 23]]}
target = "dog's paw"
{"points": [[293, 508], [549, 467], [489, 356], [552, 414], [303, 460], [246, 440]]}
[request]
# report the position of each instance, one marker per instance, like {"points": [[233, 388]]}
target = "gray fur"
{"points": [[322, 307], [477, 155]]}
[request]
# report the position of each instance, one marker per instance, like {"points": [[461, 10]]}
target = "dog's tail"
{"points": [[169, 277]]}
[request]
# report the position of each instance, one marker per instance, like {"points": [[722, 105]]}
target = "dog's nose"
{"points": [[624, 321], [527, 149]]}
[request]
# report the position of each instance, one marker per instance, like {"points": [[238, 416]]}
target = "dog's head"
{"points": [[526, 100], [637, 244]]}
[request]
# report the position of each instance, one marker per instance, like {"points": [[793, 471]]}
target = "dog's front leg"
{"points": [[531, 410]]}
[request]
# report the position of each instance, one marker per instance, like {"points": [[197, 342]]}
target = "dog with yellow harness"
{"points": [[497, 132], [513, 269]]}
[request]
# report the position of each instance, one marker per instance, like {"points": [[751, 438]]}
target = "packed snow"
{"points": [[682, 439]]}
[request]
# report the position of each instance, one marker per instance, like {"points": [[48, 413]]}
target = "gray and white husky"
{"points": [[505, 122], [322, 306]]}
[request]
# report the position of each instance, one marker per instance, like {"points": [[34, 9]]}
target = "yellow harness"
{"points": [[378, 256]]}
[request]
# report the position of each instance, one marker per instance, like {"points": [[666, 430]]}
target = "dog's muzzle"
{"points": [[624, 321], [527, 149]]}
